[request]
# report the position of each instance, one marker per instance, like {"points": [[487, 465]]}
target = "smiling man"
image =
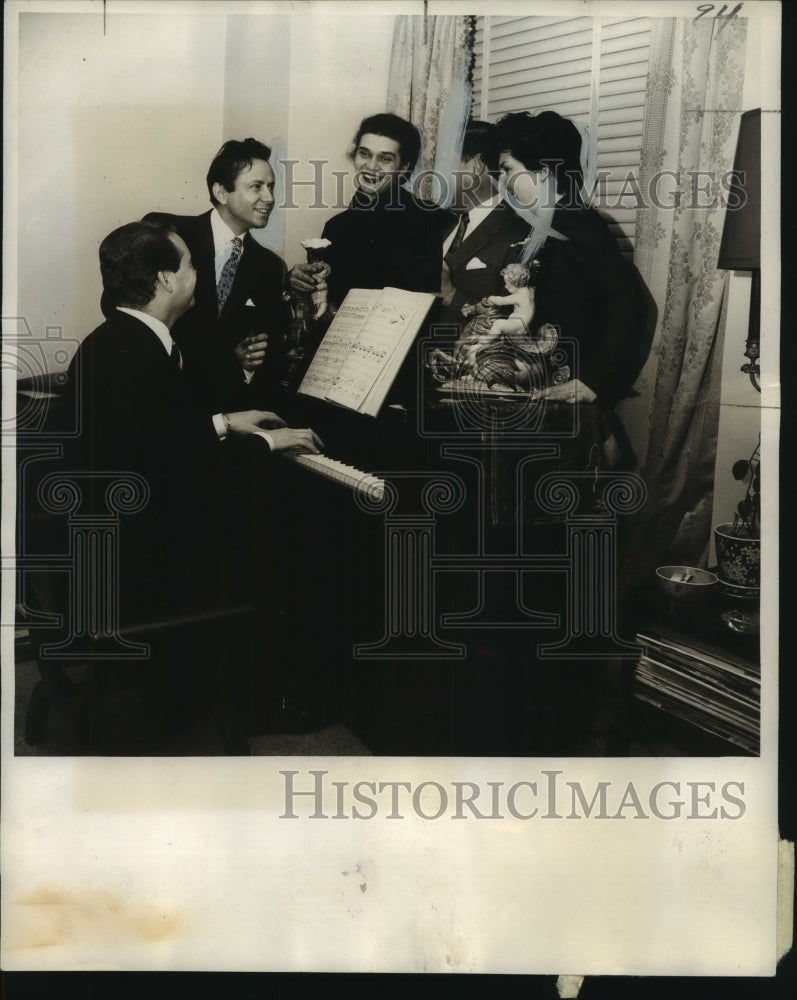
{"points": [[232, 337]]}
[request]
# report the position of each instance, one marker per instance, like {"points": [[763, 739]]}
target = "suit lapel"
{"points": [[203, 253], [479, 238]]}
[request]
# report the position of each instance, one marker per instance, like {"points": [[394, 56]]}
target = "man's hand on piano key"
{"points": [[251, 421], [297, 441]]}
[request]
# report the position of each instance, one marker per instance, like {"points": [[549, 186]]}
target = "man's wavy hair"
{"points": [[482, 138], [234, 156], [131, 258]]}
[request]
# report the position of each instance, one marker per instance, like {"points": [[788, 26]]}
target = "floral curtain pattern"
{"points": [[429, 85], [691, 123]]}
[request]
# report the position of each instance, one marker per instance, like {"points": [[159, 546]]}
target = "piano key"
{"points": [[347, 475]]}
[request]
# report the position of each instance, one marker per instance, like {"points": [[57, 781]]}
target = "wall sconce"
{"points": [[740, 249]]}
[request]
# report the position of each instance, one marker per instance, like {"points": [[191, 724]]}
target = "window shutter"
{"points": [[624, 54], [593, 71], [534, 63]]}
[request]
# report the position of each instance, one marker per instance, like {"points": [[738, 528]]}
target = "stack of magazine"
{"points": [[709, 687]]}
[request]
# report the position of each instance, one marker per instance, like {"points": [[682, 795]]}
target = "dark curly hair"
{"points": [[395, 128], [545, 139]]}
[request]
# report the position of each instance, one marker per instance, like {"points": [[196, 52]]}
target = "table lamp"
{"points": [[740, 249]]}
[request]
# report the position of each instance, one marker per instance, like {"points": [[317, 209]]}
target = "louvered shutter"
{"points": [[593, 71]]}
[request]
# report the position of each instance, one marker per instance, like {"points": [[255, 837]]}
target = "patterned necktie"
{"points": [[459, 236], [227, 275]]}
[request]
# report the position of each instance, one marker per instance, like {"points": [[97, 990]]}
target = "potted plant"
{"points": [[738, 543]]}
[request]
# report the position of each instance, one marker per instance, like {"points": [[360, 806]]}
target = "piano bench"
{"points": [[171, 691]]}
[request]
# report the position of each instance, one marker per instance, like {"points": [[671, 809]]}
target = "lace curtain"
{"points": [[691, 123], [429, 85]]}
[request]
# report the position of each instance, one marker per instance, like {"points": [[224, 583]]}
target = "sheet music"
{"points": [[393, 321], [384, 379], [336, 346]]}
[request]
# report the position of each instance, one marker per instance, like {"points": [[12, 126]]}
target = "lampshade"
{"points": [[741, 238]]}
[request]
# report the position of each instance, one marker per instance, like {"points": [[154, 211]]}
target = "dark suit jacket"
{"points": [[139, 414], [490, 243], [208, 338]]}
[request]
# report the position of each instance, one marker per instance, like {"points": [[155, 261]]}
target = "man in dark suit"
{"points": [[485, 235], [232, 337], [203, 543], [140, 413]]}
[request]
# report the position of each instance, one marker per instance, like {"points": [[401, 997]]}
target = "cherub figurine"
{"points": [[510, 331], [499, 350], [521, 298], [490, 324]]}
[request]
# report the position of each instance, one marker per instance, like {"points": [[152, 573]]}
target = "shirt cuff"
{"points": [[267, 438], [219, 426]]}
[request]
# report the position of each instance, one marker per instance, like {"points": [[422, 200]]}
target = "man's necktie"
{"points": [[175, 358], [459, 236], [227, 275]]}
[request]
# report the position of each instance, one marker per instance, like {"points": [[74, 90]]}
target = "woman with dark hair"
{"points": [[387, 236], [583, 285], [594, 299]]}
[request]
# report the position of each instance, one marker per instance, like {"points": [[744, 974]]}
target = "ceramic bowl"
{"points": [[685, 583]]}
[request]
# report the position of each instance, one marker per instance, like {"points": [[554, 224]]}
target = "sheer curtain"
{"points": [[691, 123], [429, 85]]}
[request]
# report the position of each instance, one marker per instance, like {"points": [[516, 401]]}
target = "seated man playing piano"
{"points": [[208, 475]]}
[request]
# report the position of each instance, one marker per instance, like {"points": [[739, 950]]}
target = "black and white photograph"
{"points": [[391, 415]]}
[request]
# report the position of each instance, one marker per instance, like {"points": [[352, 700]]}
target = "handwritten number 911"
{"points": [[707, 8]]}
